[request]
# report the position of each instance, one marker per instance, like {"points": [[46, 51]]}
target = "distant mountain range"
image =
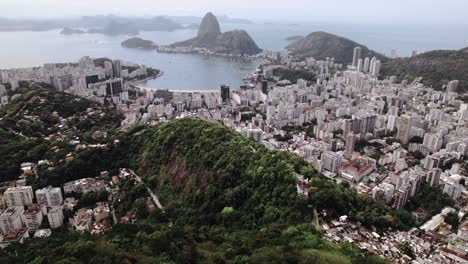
{"points": [[436, 67], [100, 24], [236, 42], [322, 44], [197, 20]]}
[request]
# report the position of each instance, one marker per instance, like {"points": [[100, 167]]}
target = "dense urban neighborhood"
{"points": [[383, 161]]}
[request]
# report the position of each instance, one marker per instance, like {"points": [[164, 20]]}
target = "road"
{"points": [[153, 195]]}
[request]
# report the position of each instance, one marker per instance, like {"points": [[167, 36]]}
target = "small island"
{"points": [[139, 43], [294, 38], [71, 31], [211, 41]]}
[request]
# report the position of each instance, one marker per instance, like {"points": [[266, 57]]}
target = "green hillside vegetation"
{"points": [[321, 45], [293, 75], [227, 199], [40, 119], [436, 67], [199, 168], [147, 242]]}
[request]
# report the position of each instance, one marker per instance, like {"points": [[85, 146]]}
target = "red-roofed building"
{"points": [[356, 169]]}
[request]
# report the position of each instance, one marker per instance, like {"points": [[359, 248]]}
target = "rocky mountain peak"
{"points": [[209, 25]]}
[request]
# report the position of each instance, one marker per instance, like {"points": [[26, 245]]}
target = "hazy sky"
{"points": [[375, 11]]}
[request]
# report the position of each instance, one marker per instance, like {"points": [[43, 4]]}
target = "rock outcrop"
{"points": [[236, 42], [209, 25]]}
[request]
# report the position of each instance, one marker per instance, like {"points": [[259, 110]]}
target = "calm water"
{"points": [[182, 71]]}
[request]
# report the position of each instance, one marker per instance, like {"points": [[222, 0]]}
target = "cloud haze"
{"points": [[383, 11]]}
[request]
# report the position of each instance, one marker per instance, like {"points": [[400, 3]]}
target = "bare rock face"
{"points": [[209, 25], [236, 42]]}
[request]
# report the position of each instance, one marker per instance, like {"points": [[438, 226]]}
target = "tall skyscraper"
{"points": [[117, 69], [376, 68], [359, 65], [225, 93], [350, 143], [433, 177], [366, 64], [404, 128], [356, 55], [391, 122], [265, 87], [452, 86]]}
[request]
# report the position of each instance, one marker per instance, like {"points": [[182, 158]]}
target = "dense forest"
{"points": [[436, 67], [227, 199], [41, 119]]}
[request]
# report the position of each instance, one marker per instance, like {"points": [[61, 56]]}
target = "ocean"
{"points": [[196, 72]]}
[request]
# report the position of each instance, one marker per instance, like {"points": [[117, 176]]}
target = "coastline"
{"points": [[203, 52], [137, 82], [176, 90]]}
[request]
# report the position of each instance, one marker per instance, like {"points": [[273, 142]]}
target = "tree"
{"points": [[406, 248], [416, 139], [453, 220]]}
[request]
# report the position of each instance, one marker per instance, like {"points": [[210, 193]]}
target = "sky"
{"points": [[357, 11]]}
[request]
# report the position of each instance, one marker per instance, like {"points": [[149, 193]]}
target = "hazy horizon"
{"points": [[332, 11]]}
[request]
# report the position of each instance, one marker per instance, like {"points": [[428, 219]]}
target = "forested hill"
{"points": [[323, 44], [227, 199], [210, 174], [40, 119], [436, 67]]}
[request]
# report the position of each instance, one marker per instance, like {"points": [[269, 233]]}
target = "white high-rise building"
{"points": [[372, 63], [11, 219], [391, 122], [19, 196], [383, 192], [350, 143], [433, 142], [331, 161], [32, 217], [86, 63], [433, 177], [49, 196], [117, 69], [366, 64], [376, 68], [404, 128], [453, 187], [55, 216], [359, 65], [356, 55], [452, 86]]}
